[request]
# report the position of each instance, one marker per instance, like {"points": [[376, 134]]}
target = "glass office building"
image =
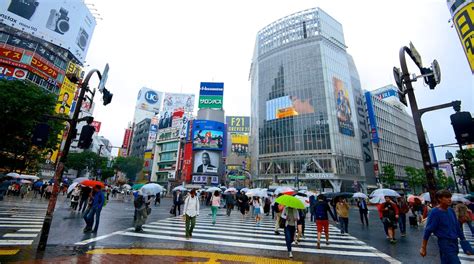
{"points": [[305, 98]]}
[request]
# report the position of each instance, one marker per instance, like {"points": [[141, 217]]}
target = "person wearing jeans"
{"points": [[215, 204], [342, 209], [96, 208], [191, 210], [291, 217], [402, 214]]}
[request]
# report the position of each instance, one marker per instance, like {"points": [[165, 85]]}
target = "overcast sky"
{"points": [[172, 46]]}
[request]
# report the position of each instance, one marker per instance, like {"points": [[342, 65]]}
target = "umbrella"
{"points": [[137, 186], [151, 188], [457, 197], [290, 201], [257, 192], [384, 192], [72, 186], [304, 200], [231, 190], [411, 198], [359, 195], [180, 188], [92, 183], [213, 189], [80, 179], [13, 174], [284, 190], [244, 190], [38, 184], [25, 181], [127, 186], [333, 195], [425, 196], [377, 199]]}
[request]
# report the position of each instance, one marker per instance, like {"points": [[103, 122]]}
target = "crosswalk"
{"points": [[469, 237], [243, 233], [20, 225]]}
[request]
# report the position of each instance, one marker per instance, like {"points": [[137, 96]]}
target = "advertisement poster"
{"points": [[343, 108], [238, 124], [239, 144], [211, 95], [208, 135], [67, 24], [206, 162], [152, 134], [149, 100], [176, 106], [464, 23], [287, 106], [187, 168]]}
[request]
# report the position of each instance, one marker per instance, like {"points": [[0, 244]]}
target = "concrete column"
{"points": [[336, 185]]}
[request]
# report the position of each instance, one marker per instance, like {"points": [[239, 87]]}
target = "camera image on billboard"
{"points": [[58, 21], [82, 39], [23, 8]]}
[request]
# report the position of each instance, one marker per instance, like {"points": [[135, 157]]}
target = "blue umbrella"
{"points": [[38, 184]]}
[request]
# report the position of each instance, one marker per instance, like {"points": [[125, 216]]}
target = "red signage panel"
{"points": [[126, 138], [187, 170]]}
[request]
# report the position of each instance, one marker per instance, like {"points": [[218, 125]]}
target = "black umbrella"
{"points": [[333, 195]]}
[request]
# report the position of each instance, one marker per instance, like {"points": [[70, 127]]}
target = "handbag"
{"points": [[282, 222], [148, 210], [466, 247]]}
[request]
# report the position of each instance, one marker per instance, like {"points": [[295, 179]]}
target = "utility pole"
{"points": [[60, 167]]}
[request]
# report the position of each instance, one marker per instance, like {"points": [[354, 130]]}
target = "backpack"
{"points": [[139, 201]]}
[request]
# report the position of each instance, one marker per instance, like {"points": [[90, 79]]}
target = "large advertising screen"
{"points": [[208, 135], [343, 108], [239, 144], [65, 23], [149, 100], [238, 124], [287, 106], [206, 162], [211, 95]]}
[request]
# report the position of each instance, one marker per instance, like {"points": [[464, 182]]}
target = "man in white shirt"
{"points": [[191, 210]]}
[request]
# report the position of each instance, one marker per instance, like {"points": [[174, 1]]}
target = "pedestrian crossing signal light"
{"points": [[463, 126], [85, 139], [107, 96]]}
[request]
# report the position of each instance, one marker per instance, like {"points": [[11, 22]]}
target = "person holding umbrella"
{"points": [[96, 208], [390, 215], [290, 218], [343, 212], [141, 213], [321, 210]]}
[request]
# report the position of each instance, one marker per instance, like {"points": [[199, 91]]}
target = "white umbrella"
{"points": [[13, 174], [426, 197], [231, 190], [284, 190], [257, 192], [127, 186], [72, 186], [25, 181], [304, 200], [457, 197], [377, 199], [179, 188], [80, 179], [385, 192], [359, 195], [151, 189], [244, 189], [213, 189]]}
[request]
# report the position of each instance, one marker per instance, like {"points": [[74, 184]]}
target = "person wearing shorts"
{"points": [[257, 210], [320, 211]]}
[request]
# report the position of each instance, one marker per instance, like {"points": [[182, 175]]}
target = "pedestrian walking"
{"points": [[85, 192], [272, 205], [257, 210], [342, 209], [390, 217], [229, 203], [402, 214], [321, 210], [278, 210], [363, 211], [291, 217], [442, 222], [215, 204], [312, 203], [96, 207], [177, 202], [158, 199], [266, 206], [141, 209], [75, 197], [243, 201], [300, 225], [191, 210], [23, 190], [464, 216]]}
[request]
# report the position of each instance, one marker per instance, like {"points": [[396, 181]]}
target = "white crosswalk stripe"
{"points": [[469, 237], [20, 225], [235, 232]]}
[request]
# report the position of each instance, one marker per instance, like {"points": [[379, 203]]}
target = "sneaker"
{"points": [[393, 241], [277, 233], [290, 255], [296, 241], [327, 243], [318, 246], [404, 234]]}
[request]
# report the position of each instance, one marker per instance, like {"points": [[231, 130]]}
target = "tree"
{"points": [[416, 178], [23, 105], [465, 159], [388, 175], [441, 180], [451, 184], [85, 160], [129, 165]]}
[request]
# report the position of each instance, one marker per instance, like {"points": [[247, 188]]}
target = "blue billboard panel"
{"points": [[371, 113], [208, 135], [211, 88]]}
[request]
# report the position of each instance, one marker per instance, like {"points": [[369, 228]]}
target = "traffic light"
{"points": [[106, 96], [463, 126], [85, 139], [40, 134], [402, 97]]}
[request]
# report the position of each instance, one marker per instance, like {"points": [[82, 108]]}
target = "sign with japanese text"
{"points": [[464, 23]]}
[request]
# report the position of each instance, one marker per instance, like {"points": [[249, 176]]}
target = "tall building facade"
{"points": [[393, 133], [305, 98], [140, 138]]}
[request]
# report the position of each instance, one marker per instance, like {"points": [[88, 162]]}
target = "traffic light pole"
{"points": [[417, 120], [60, 167]]}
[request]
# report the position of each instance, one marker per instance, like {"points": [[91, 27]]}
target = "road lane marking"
{"points": [[14, 225], [29, 230], [8, 242], [19, 235], [87, 241], [5, 252]]}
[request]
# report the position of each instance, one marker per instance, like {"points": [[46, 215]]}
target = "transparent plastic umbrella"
{"points": [[151, 189]]}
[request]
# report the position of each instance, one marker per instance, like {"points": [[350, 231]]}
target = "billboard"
{"points": [[176, 106], [153, 132], [208, 135], [12, 73], [386, 94], [239, 144], [96, 125], [463, 20], [187, 168], [211, 95], [126, 138], [371, 114], [238, 124], [149, 100], [66, 23], [287, 106], [206, 162], [343, 108]]}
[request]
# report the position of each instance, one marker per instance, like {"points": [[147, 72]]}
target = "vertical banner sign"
{"points": [[343, 108], [464, 22], [371, 114], [211, 95]]}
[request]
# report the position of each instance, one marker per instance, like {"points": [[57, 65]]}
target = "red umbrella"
{"points": [[411, 198], [92, 183]]}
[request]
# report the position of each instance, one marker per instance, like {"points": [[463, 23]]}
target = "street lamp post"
{"points": [[449, 156]]}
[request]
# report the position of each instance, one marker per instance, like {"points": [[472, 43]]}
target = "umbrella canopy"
{"points": [[384, 192], [25, 181], [244, 189], [38, 184], [333, 195], [284, 190], [80, 179], [231, 190], [92, 183], [72, 186], [290, 201], [377, 199], [425, 196], [304, 200], [213, 189], [137, 186], [127, 186], [13, 174], [180, 188], [257, 192], [457, 197], [359, 195], [151, 189], [411, 198]]}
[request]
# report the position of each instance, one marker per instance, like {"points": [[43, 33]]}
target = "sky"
{"points": [[172, 46]]}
